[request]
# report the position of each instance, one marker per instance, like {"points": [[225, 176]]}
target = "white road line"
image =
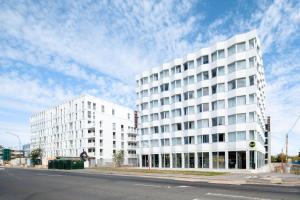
{"points": [[235, 196], [146, 185], [183, 186]]}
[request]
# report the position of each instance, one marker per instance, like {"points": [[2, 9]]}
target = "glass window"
{"points": [[231, 137], [241, 118], [251, 80], [205, 59], [214, 56], [204, 123], [231, 102], [241, 47], [252, 116], [241, 100], [205, 75], [241, 135], [214, 73], [221, 71], [231, 68], [252, 61], [221, 54], [231, 50], [214, 137], [252, 98], [241, 64], [241, 82], [205, 139], [231, 85], [231, 119], [251, 135], [205, 91]]}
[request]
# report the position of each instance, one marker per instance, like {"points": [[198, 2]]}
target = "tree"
{"points": [[118, 158], [36, 154]]}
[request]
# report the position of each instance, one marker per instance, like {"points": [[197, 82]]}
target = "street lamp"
{"points": [[19, 140]]}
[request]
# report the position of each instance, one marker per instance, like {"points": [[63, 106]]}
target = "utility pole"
{"points": [[287, 138]]}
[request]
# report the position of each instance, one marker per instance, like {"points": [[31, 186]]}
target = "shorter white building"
{"points": [[85, 123]]}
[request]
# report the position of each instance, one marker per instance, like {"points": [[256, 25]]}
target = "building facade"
{"points": [[85, 123], [268, 141], [205, 110]]}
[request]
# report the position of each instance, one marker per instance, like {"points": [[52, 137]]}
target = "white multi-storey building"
{"points": [[205, 110], [85, 123]]}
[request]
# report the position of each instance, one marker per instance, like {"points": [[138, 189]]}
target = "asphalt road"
{"points": [[16, 184]]}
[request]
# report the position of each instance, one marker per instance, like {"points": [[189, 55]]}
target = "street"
{"points": [[17, 184]]}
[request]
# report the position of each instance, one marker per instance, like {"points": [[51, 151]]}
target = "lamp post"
{"points": [[19, 140]]}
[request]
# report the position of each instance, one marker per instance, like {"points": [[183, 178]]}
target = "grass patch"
{"points": [[157, 171]]}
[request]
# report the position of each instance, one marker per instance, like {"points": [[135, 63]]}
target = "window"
{"points": [[144, 131], [176, 69], [203, 123], [218, 121], [154, 90], [203, 107], [203, 92], [240, 47], [189, 125], [165, 142], [241, 82], [153, 116], [252, 135], [241, 100], [164, 73], [252, 98], [164, 115], [176, 112], [252, 116], [221, 54], [252, 61], [154, 129], [202, 76], [144, 80], [231, 119], [231, 50], [176, 141], [252, 43], [188, 80], [188, 110], [231, 67], [205, 139], [214, 56], [144, 106], [241, 118], [154, 143], [176, 127], [176, 98], [218, 137], [154, 77], [231, 102], [153, 103], [188, 95], [231, 137], [203, 160], [205, 59], [176, 84], [164, 101], [231, 85], [220, 104], [164, 87], [102, 108], [251, 80], [164, 128], [240, 65], [241, 135], [189, 140]]}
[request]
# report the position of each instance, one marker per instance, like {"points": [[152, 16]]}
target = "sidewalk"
{"points": [[227, 178]]}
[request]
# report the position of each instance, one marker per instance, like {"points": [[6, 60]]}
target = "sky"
{"points": [[52, 51]]}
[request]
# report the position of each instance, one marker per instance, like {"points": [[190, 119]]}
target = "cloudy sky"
{"points": [[51, 51]]}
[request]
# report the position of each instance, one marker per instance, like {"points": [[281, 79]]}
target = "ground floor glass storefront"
{"points": [[205, 160]]}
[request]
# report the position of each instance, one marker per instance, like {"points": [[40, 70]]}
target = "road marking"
{"points": [[148, 185], [235, 196], [183, 186]]}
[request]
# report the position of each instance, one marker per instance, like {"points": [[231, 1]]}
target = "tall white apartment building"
{"points": [[205, 110], [85, 123]]}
